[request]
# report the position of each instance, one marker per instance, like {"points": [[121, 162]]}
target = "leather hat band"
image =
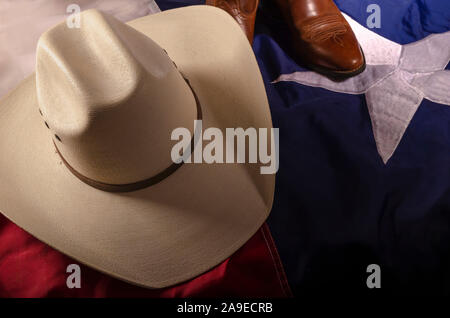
{"points": [[140, 184]]}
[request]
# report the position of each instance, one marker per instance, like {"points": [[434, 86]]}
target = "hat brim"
{"points": [[169, 232]]}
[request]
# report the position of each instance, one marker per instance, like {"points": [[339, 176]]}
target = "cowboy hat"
{"points": [[85, 162]]}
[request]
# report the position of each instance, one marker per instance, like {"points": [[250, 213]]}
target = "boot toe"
{"points": [[338, 57]]}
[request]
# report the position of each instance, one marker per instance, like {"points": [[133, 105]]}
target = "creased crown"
{"points": [[111, 96]]}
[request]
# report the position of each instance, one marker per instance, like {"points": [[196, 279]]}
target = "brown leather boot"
{"points": [[323, 40], [243, 11]]}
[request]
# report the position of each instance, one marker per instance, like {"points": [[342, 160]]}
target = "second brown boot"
{"points": [[243, 11], [323, 39]]}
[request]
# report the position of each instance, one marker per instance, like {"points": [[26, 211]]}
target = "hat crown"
{"points": [[112, 96]]}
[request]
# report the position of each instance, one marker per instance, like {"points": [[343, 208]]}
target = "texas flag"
{"points": [[363, 180], [364, 174]]}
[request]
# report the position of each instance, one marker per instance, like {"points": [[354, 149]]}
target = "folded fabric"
{"points": [[30, 268]]}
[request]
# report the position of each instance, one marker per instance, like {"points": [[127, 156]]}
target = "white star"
{"points": [[395, 82]]}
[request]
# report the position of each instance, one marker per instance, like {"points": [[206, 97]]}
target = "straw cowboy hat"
{"points": [[85, 146]]}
